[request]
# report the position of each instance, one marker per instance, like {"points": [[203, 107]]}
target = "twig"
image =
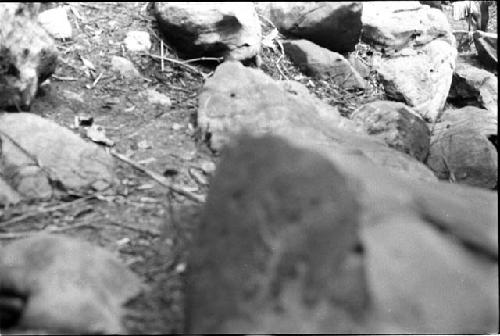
{"points": [[160, 179], [44, 210], [16, 235], [162, 56], [174, 61], [200, 59], [96, 81], [64, 78], [123, 225]]}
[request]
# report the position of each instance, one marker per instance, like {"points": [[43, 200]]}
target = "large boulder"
{"points": [[291, 241], [41, 159], [63, 285], [237, 98], [394, 25], [395, 123], [28, 56], [218, 29], [320, 62], [487, 48], [473, 85], [332, 25], [461, 149], [421, 79]]}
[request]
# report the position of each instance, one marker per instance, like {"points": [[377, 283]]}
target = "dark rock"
{"points": [[487, 48], [332, 25]]}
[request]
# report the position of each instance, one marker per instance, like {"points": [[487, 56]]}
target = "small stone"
{"points": [[137, 41], [208, 167], [176, 126], [124, 67], [155, 97], [143, 144], [56, 23]]}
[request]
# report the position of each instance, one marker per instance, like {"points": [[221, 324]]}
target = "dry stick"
{"points": [[218, 59], [162, 56], [44, 210], [15, 235], [187, 66], [160, 179]]}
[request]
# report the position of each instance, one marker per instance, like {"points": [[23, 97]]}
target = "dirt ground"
{"points": [[146, 224]]}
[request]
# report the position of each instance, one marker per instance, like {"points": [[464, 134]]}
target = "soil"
{"points": [[146, 224]]}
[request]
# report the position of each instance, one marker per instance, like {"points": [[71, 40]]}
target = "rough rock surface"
{"points": [[422, 79], [237, 98], [473, 85], [487, 48], [332, 25], [397, 125], [124, 67], [320, 62], [218, 29], [68, 286], [394, 25], [59, 161], [7, 194], [461, 148], [28, 56], [260, 264]]}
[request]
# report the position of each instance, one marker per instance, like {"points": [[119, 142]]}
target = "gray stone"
{"points": [[124, 67], [7, 194], [397, 125], [217, 29], [69, 286], [394, 25], [292, 241], [28, 56], [137, 40], [421, 80], [320, 62], [461, 150], [237, 98], [53, 160], [487, 48], [332, 25]]}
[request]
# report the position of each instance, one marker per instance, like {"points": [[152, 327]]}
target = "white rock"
{"points": [[124, 67], [138, 40], [155, 97], [56, 23]]}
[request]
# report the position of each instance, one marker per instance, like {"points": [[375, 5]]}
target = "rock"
{"points": [[332, 25], [359, 65], [216, 29], [433, 4], [461, 149], [7, 194], [28, 56], [395, 25], [296, 233], [56, 23], [422, 81], [124, 67], [478, 86], [157, 98], [258, 263], [487, 48], [64, 161], [463, 40], [68, 285], [320, 62], [397, 125], [137, 40], [237, 98]]}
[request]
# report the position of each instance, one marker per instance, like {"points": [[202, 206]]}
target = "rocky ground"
{"points": [[144, 222]]}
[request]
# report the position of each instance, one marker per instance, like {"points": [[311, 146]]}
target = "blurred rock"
{"points": [[487, 48], [461, 148], [237, 98], [332, 25], [53, 160], [28, 55], [138, 40], [213, 29], [124, 67], [155, 97], [56, 23], [7, 194], [320, 62], [395, 123], [475, 86], [67, 285], [291, 241]]}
